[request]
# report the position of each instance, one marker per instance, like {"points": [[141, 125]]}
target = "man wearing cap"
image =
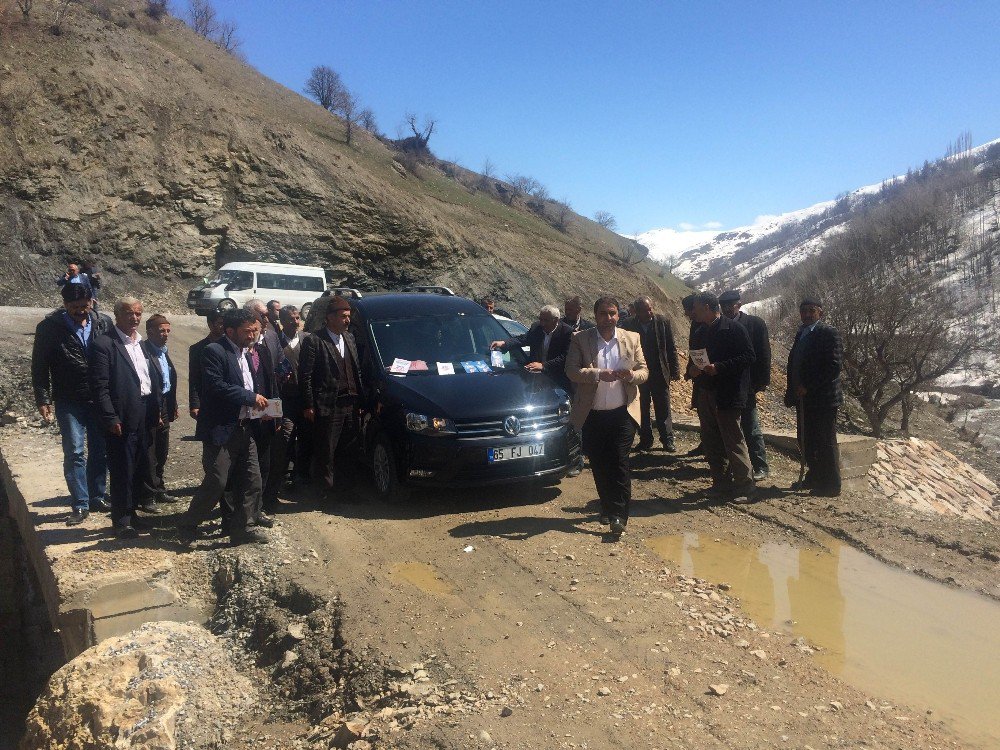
{"points": [[660, 351], [59, 377], [331, 390], [760, 379], [814, 390], [723, 392]]}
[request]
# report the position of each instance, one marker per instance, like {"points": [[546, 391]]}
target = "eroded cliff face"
{"points": [[142, 145]]}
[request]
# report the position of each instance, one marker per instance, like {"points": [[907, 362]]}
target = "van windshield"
{"points": [[454, 339], [228, 276]]}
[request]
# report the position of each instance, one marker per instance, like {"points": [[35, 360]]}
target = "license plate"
{"points": [[513, 452]]}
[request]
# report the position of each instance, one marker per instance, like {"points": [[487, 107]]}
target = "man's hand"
{"points": [[625, 375], [800, 391], [194, 413], [261, 402], [709, 369], [46, 411], [309, 415], [534, 367], [608, 376], [116, 429], [496, 344]]}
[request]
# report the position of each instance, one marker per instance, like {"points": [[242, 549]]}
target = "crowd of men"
{"points": [[114, 397]]}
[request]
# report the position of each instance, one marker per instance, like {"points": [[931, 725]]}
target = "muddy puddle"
{"points": [[888, 632], [423, 576]]}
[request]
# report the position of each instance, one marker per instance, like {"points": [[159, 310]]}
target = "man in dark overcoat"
{"points": [[814, 390]]}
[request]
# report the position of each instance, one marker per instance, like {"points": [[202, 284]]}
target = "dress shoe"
{"points": [[743, 491], [77, 517], [165, 498], [604, 520], [263, 520], [149, 507], [802, 486], [759, 474], [644, 445], [250, 536], [125, 530], [141, 523], [669, 446], [696, 451], [99, 505], [617, 525], [719, 490]]}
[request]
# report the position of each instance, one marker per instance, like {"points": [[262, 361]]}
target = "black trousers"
{"points": [[235, 462], [607, 440], [655, 390], [127, 468], [157, 448], [819, 433], [332, 434], [263, 437], [282, 446]]}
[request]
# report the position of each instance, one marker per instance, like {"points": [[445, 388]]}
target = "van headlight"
{"points": [[564, 410], [425, 425]]}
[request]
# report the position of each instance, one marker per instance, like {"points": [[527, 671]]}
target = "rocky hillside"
{"points": [[142, 145]]}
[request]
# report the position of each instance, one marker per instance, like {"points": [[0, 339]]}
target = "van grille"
{"points": [[532, 422]]}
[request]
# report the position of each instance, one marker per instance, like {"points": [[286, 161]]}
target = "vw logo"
{"points": [[512, 425]]}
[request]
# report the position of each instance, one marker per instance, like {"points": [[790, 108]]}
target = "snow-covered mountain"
{"points": [[746, 257]]}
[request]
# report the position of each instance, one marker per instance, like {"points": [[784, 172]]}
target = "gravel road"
{"points": [[665, 639]]}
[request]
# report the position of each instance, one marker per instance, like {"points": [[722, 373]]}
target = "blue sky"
{"points": [[667, 114]]}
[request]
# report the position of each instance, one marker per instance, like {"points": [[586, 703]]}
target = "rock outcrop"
{"points": [[163, 686]]}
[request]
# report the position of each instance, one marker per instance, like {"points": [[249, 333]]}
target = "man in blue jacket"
{"points": [[225, 427]]}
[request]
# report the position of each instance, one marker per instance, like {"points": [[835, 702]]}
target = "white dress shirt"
{"points": [[609, 395], [133, 347], [247, 379], [338, 341]]}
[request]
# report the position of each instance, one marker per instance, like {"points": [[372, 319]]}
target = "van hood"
{"points": [[473, 395]]}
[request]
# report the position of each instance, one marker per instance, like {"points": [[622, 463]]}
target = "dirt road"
{"points": [[706, 626]]}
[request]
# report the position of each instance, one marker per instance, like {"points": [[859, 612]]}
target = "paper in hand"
{"points": [[699, 357], [496, 358], [273, 410]]}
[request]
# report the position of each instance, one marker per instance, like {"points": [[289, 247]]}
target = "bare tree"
{"points": [[325, 86], [347, 107], [422, 133], [202, 18], [522, 184], [366, 119], [62, 7], [156, 9], [562, 211], [25, 7], [628, 252], [489, 169], [226, 38], [606, 220]]}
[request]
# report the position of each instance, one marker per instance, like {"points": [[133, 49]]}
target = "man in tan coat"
{"points": [[607, 365]]}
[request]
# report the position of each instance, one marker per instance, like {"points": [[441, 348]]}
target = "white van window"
{"points": [[290, 282], [239, 281]]}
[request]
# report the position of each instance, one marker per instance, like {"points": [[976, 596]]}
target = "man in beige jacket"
{"points": [[607, 365]]}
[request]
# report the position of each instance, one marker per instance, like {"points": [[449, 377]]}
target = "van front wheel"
{"points": [[385, 469]]}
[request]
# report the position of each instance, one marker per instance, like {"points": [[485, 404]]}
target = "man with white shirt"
{"points": [[607, 365], [331, 388], [225, 429], [126, 392]]}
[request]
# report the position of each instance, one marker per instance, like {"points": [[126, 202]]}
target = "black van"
{"points": [[485, 424]]}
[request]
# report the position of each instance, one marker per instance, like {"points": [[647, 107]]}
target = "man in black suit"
{"points": [[723, 385], [331, 390], [267, 337], [660, 351], [216, 331], [157, 437], [814, 389], [760, 379], [548, 342], [126, 391], [573, 317], [225, 429]]}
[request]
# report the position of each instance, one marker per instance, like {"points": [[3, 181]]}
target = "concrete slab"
{"points": [[94, 586]]}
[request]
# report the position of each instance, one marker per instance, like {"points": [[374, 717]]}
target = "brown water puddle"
{"points": [[888, 632], [423, 576]]}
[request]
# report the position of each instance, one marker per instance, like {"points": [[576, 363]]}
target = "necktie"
{"points": [[255, 357]]}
